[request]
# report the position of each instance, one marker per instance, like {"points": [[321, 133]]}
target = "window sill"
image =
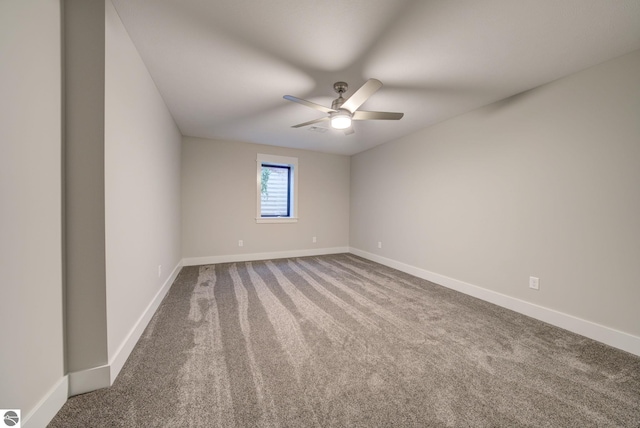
{"points": [[277, 220]]}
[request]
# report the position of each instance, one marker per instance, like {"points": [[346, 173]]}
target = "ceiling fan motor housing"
{"points": [[337, 103]]}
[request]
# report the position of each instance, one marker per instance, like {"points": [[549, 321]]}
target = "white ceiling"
{"points": [[222, 66]]}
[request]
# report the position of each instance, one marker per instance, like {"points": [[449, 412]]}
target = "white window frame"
{"points": [[293, 199]]}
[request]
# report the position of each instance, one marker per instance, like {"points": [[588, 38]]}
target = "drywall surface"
{"points": [[219, 195], [543, 184], [84, 185], [31, 318], [142, 185]]}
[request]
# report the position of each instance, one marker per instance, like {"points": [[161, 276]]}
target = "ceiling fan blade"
{"points": [[376, 115], [361, 95], [349, 131], [309, 104], [311, 122]]}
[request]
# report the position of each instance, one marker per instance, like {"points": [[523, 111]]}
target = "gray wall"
{"points": [[219, 201], [31, 319], [86, 326], [543, 184], [142, 185]]}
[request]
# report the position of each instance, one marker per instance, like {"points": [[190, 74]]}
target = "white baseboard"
{"points": [[212, 260], [89, 380], [48, 406], [121, 355], [600, 333]]}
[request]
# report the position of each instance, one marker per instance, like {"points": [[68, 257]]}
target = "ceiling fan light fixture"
{"points": [[340, 120], [342, 111]]}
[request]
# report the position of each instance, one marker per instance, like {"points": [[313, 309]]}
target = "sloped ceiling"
{"points": [[223, 66]]}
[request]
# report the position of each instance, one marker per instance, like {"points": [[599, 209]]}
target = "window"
{"points": [[277, 180], [275, 195]]}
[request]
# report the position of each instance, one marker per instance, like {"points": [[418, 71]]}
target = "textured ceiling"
{"points": [[223, 66]]}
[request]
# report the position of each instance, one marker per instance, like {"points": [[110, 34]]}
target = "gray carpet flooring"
{"points": [[339, 341]]}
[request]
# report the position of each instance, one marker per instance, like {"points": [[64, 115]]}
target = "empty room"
{"points": [[382, 213]]}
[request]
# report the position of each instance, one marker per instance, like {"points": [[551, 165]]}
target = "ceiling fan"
{"points": [[342, 111]]}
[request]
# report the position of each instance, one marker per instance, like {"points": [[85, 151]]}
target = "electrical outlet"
{"points": [[159, 271], [313, 240], [379, 244], [240, 243], [534, 283]]}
